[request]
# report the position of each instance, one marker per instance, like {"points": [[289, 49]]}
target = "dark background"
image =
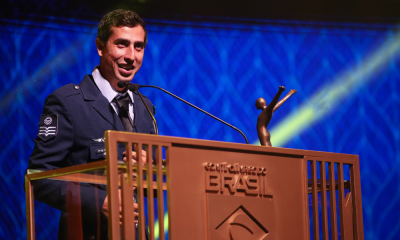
{"points": [[364, 10]]}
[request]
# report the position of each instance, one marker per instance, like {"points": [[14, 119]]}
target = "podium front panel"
{"points": [[219, 193]]}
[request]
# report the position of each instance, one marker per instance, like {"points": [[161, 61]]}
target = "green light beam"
{"points": [[325, 101]]}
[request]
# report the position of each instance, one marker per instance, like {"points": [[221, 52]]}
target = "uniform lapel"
{"points": [[99, 102]]}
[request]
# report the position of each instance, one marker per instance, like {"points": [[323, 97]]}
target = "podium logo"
{"points": [[234, 178], [242, 225]]}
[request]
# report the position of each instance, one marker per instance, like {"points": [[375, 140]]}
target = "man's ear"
{"points": [[100, 47]]}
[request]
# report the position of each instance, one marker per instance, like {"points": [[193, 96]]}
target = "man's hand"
{"points": [[105, 207], [134, 157]]}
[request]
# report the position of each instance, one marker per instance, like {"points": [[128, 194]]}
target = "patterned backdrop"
{"points": [[347, 76]]}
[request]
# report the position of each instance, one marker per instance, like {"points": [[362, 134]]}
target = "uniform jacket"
{"points": [[83, 114]]}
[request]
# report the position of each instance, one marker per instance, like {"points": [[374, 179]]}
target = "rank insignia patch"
{"points": [[48, 126]]}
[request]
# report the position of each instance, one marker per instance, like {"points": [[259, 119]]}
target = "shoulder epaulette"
{"points": [[68, 90]]}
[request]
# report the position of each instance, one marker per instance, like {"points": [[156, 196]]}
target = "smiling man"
{"points": [[121, 48], [74, 120]]}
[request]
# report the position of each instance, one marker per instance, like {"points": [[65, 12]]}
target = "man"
{"points": [[75, 118]]}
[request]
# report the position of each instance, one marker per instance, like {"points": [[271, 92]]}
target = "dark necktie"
{"points": [[123, 109]]}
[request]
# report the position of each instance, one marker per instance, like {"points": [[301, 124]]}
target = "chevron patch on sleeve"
{"points": [[48, 126]]}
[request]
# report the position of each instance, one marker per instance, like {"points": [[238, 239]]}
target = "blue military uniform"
{"points": [[80, 115]]}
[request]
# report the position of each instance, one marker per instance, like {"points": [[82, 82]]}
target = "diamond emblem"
{"points": [[242, 225]]}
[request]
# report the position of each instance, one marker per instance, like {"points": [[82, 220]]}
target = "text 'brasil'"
{"points": [[235, 179]]}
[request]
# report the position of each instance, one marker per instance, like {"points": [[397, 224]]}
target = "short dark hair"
{"points": [[119, 18]]}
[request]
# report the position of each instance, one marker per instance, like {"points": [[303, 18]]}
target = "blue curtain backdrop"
{"points": [[347, 76]]}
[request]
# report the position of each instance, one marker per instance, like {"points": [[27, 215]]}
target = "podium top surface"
{"points": [[228, 146]]}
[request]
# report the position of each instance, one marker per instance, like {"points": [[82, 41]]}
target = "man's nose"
{"points": [[130, 54]]}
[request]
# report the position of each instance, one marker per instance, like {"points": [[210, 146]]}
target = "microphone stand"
{"points": [[152, 116], [152, 86]]}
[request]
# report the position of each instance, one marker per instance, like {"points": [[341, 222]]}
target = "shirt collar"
{"points": [[105, 87]]}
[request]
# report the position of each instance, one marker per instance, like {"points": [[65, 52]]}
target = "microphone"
{"points": [[209, 114], [133, 87]]}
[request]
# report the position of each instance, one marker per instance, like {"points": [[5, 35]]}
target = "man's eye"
{"points": [[139, 46], [122, 44]]}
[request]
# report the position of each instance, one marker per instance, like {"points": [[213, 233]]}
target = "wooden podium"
{"points": [[222, 191]]}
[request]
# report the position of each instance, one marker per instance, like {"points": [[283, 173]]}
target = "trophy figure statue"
{"points": [[266, 115]]}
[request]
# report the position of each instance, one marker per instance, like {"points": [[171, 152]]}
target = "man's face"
{"points": [[122, 57]]}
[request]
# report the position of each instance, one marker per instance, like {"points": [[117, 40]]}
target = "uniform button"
{"points": [[91, 237], [76, 87]]}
